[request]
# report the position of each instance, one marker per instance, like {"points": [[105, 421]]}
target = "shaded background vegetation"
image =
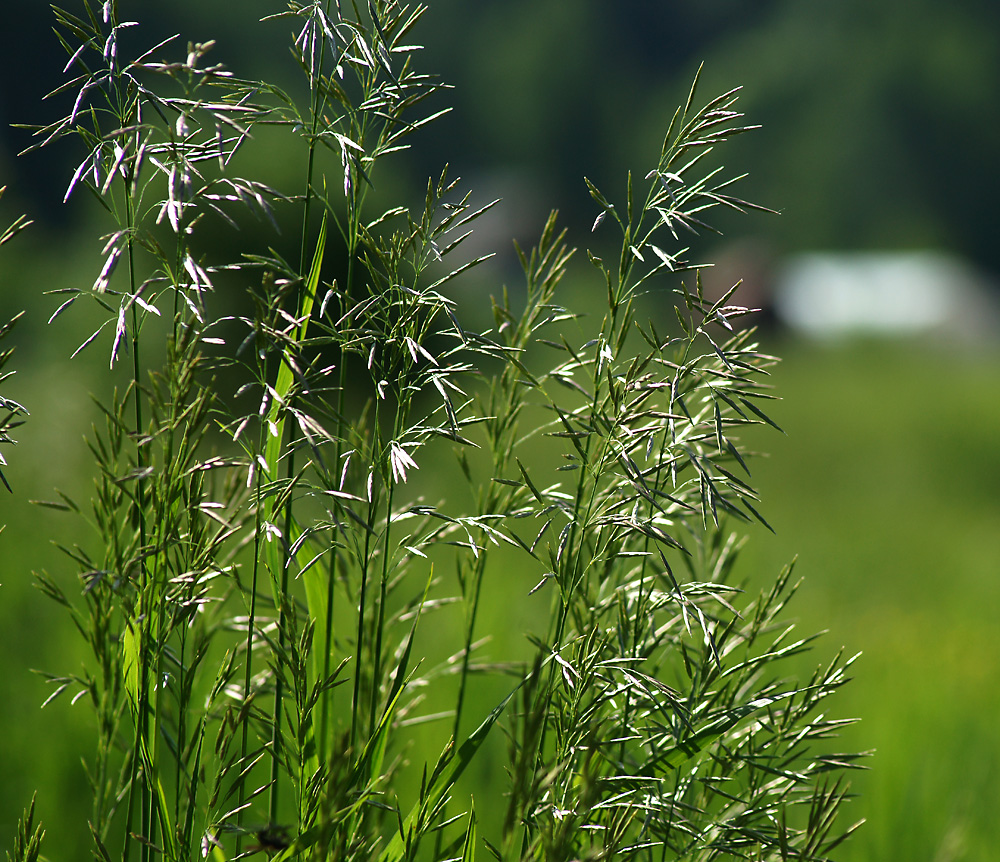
{"points": [[880, 124], [880, 132]]}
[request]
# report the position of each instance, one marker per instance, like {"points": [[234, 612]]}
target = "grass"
{"points": [[286, 634], [879, 592], [884, 487]]}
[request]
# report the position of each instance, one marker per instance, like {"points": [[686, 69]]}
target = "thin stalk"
{"points": [[574, 550], [273, 448], [356, 194], [315, 113], [251, 623], [470, 628], [380, 624], [501, 457], [354, 205], [362, 608], [359, 641], [139, 519], [279, 691], [327, 697], [326, 705]]}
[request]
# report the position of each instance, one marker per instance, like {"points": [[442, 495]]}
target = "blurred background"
{"points": [[879, 145]]}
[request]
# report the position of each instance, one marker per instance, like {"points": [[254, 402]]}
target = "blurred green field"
{"points": [[886, 488]]}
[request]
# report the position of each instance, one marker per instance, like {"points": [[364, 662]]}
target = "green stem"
{"points": [[139, 520], [362, 608], [251, 623], [284, 602], [326, 702], [380, 623]]}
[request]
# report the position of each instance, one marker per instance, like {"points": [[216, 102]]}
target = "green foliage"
{"points": [[28, 840], [902, 83], [265, 567]]}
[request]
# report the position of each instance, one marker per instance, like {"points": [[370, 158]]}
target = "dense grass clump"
{"points": [[282, 622]]}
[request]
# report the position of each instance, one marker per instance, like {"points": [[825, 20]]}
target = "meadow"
{"points": [[886, 489]]}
